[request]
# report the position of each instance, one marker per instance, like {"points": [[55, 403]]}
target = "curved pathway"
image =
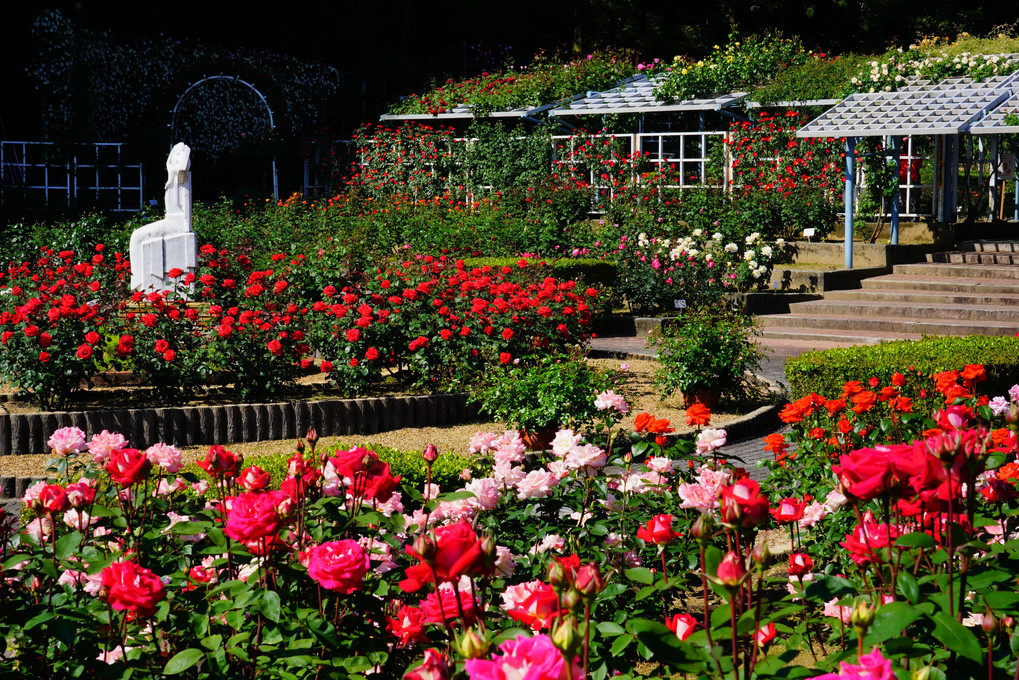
{"points": [[749, 449]]}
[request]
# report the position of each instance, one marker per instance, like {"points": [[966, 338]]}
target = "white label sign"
{"points": [[680, 304], [808, 232], [1006, 166]]}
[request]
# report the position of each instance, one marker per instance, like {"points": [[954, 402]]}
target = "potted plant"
{"points": [[704, 355], [542, 393]]}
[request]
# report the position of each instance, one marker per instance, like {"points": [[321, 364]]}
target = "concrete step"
{"points": [[965, 257], [945, 284], [987, 271], [864, 308], [835, 338], [945, 297], [985, 246], [898, 324]]}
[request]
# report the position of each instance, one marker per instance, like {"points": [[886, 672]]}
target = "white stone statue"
{"points": [[169, 243]]}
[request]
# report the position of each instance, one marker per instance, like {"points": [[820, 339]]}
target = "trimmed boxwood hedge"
{"points": [[824, 372], [590, 271], [409, 465]]}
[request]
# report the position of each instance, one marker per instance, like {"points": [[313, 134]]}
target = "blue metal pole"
{"points": [[850, 194], [897, 155]]}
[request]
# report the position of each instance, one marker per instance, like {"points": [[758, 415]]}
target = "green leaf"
{"points": [[890, 620], [607, 628], [66, 544], [916, 539], [908, 586], [270, 605], [1001, 599], [640, 575], [953, 635], [621, 643], [182, 661]]}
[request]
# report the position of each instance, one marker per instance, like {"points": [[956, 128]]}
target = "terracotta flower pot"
{"points": [[707, 397], [539, 440]]}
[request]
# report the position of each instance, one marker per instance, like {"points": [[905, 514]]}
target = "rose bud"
{"points": [[760, 555], [430, 454], [299, 446], [988, 623], [565, 637], [588, 582], [702, 528], [472, 645], [861, 618], [557, 575], [489, 550], [424, 546], [731, 571], [571, 600], [312, 436]]}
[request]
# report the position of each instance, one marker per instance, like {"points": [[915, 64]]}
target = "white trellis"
{"points": [[231, 79]]}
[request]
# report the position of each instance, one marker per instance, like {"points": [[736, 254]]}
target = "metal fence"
{"points": [[70, 175]]}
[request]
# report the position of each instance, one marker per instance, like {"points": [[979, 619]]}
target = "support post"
{"points": [[897, 159], [850, 195]]}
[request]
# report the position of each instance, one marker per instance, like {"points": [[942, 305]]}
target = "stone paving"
{"points": [[749, 449]]}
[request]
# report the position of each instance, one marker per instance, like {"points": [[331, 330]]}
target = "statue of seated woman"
{"points": [[169, 243]]}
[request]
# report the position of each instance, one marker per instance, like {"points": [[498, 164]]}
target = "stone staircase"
{"points": [[970, 291]]}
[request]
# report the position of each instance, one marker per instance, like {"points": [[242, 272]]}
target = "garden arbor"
{"points": [[945, 110]]}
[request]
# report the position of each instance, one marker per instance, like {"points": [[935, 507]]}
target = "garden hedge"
{"points": [[590, 271], [824, 372]]}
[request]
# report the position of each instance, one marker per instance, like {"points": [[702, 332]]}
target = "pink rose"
{"points": [[697, 496], [67, 440], [536, 484], [103, 443], [683, 625], [165, 456], [254, 516], [339, 566], [532, 658]]}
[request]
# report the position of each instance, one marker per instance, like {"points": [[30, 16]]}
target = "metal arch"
{"points": [[272, 123]]}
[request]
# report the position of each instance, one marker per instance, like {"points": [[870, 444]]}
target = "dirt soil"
{"points": [[635, 383]]}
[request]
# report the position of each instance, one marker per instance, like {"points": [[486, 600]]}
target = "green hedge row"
{"points": [[590, 271], [824, 372], [409, 465]]}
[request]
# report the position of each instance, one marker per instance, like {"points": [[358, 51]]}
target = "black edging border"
{"points": [[238, 423], [22, 434]]}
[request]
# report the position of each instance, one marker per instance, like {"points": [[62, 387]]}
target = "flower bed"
{"points": [[430, 320], [619, 549]]}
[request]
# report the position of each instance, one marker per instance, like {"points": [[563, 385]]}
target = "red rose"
{"points": [[505, 357], [870, 473], [407, 625], [353, 461], [53, 498], [84, 352], [353, 335], [449, 610], [658, 530], [380, 484], [372, 354], [339, 566], [698, 414], [44, 357], [219, 462], [743, 504], [45, 340], [788, 510], [765, 635], [92, 337], [254, 516], [254, 478], [435, 666], [128, 466], [325, 367], [534, 604], [169, 355], [456, 551], [275, 346], [799, 564], [132, 588], [174, 273]]}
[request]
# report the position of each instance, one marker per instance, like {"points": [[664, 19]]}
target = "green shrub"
{"points": [[409, 465], [590, 271], [825, 372], [706, 351]]}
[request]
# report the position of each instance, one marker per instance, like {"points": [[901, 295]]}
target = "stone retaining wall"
{"points": [[234, 423]]}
